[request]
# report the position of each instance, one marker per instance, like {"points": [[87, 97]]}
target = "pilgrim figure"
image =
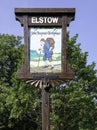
{"points": [[48, 46]]}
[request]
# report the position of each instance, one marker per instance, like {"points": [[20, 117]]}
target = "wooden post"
{"points": [[45, 106]]}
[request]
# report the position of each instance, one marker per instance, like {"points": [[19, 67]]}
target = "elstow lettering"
{"points": [[44, 20]]}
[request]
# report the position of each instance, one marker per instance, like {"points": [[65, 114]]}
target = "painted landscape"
{"points": [[37, 63]]}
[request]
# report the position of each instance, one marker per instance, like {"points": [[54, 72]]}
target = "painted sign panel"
{"points": [[45, 50]]}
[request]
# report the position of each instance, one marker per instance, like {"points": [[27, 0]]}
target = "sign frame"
{"points": [[29, 18]]}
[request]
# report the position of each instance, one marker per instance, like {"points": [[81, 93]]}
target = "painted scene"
{"points": [[45, 50]]}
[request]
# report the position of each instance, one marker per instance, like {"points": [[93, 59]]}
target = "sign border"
{"points": [[23, 15]]}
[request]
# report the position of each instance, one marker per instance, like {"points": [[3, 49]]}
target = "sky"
{"points": [[85, 23]]}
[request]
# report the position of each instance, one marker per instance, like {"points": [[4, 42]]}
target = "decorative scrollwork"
{"points": [[44, 83]]}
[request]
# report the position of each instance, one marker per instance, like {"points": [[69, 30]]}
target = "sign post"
{"points": [[45, 106], [45, 50]]}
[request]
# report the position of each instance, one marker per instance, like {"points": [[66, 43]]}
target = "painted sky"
{"points": [[85, 23], [37, 34]]}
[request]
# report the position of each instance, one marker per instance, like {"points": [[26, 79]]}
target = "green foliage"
{"points": [[19, 102], [10, 52], [73, 104]]}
